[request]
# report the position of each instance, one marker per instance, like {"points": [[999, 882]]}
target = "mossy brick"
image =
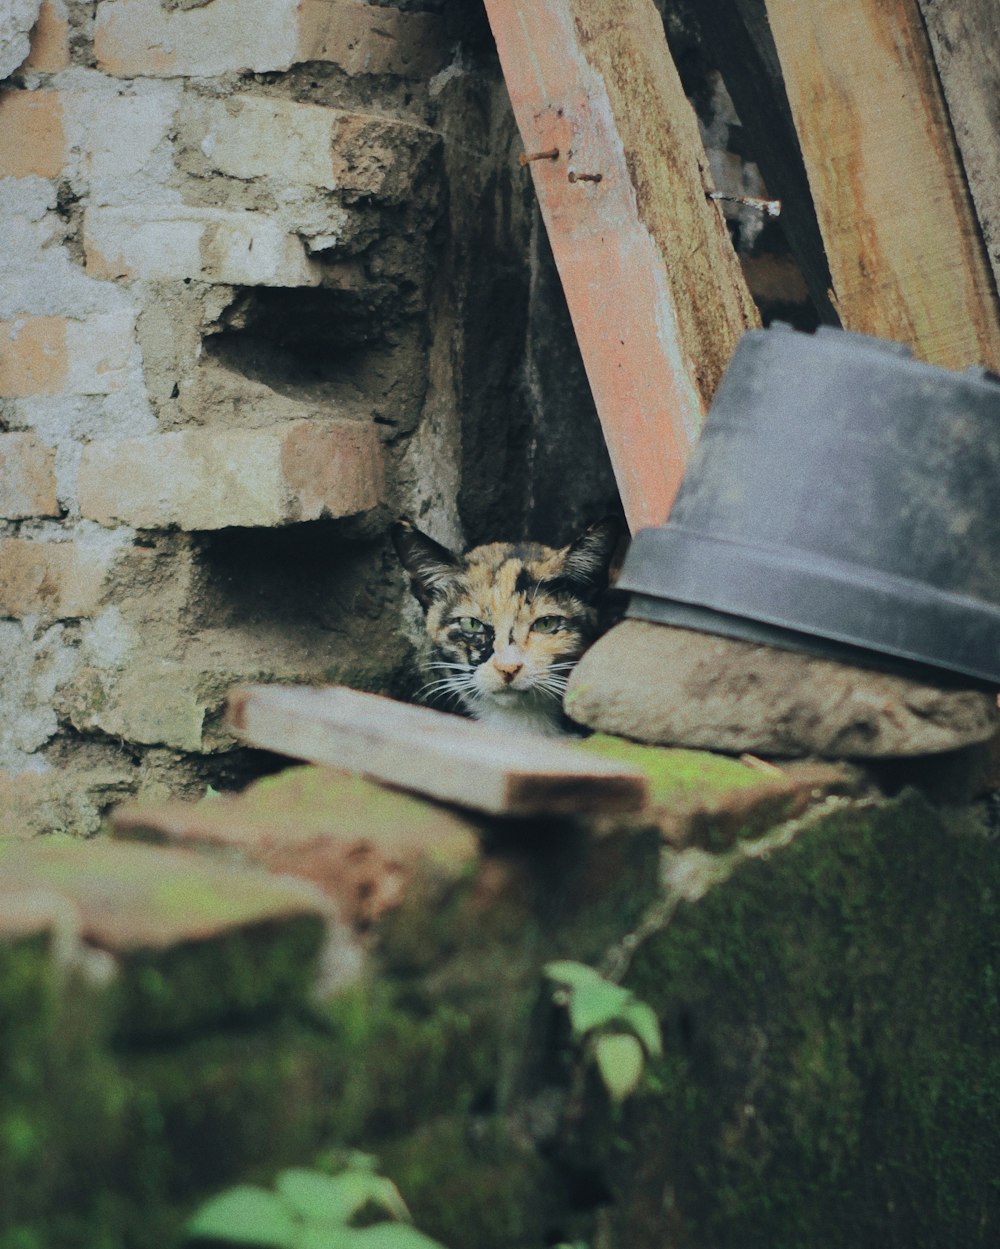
{"points": [[362, 843], [709, 800], [195, 941], [60, 1104], [831, 1069]]}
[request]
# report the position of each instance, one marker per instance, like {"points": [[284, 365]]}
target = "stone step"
{"points": [[194, 941]]}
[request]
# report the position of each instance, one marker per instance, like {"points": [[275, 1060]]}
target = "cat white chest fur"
{"points": [[521, 715]]}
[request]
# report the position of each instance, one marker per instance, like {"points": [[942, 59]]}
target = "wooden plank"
{"points": [[432, 753], [901, 236], [965, 38], [653, 285]]}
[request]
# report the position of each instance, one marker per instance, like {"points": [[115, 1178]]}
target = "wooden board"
{"points": [[429, 752], [965, 38], [653, 285], [901, 236]]}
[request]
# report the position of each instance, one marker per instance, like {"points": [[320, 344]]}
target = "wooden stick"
{"points": [[432, 753]]}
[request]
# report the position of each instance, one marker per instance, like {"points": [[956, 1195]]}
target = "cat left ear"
{"points": [[588, 558], [430, 565]]}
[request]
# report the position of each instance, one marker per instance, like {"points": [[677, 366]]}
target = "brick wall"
{"points": [[270, 275]]}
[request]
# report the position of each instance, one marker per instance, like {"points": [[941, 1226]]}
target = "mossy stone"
{"points": [[831, 1074]]}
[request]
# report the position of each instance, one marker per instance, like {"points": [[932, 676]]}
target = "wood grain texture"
{"points": [[965, 38], [431, 753], [653, 285], [901, 236]]}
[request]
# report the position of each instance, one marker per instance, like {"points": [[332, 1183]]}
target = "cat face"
{"points": [[507, 622]]}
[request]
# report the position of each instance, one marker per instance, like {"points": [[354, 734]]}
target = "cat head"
{"points": [[506, 622]]}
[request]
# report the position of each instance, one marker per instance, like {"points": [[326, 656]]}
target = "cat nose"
{"points": [[508, 663]]}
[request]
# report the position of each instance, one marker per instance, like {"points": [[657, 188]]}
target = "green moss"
{"points": [[675, 775], [240, 973], [474, 1185], [832, 1067]]}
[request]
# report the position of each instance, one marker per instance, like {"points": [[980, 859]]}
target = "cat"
{"points": [[506, 622]]}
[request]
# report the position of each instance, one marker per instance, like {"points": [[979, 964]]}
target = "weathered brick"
{"points": [[54, 580], [204, 244], [27, 478], [360, 842], [364, 38], [264, 136], [32, 139], [33, 357], [153, 703], [49, 39], [118, 140], [134, 38], [98, 351], [217, 479]]}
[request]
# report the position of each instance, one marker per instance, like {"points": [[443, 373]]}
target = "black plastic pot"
{"points": [[842, 498]]}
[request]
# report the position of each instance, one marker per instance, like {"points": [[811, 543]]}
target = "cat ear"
{"points": [[588, 558], [430, 565]]}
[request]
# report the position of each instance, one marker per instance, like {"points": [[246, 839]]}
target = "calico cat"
{"points": [[507, 622]]}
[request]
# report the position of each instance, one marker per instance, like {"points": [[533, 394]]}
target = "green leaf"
{"points": [[247, 1216], [620, 1061], [327, 1236], [642, 1019], [593, 1005], [564, 971], [335, 1200]]}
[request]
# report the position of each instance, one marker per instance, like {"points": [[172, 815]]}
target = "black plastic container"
{"points": [[842, 498]]}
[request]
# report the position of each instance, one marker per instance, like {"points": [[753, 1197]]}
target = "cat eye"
{"points": [[548, 624], [469, 624]]}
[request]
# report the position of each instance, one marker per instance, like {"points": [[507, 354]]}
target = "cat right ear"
{"points": [[430, 565]]}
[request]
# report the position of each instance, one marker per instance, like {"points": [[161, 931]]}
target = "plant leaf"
{"points": [[620, 1061], [565, 971], [245, 1215], [336, 1199], [642, 1019], [593, 1005]]}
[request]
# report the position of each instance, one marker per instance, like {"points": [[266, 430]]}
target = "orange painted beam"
{"points": [[653, 285]]}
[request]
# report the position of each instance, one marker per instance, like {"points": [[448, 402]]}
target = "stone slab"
{"points": [[194, 941], [360, 842], [672, 686], [697, 798]]}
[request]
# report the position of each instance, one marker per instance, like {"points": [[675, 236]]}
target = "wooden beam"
{"points": [[901, 235], [431, 753], [653, 285], [965, 38]]}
